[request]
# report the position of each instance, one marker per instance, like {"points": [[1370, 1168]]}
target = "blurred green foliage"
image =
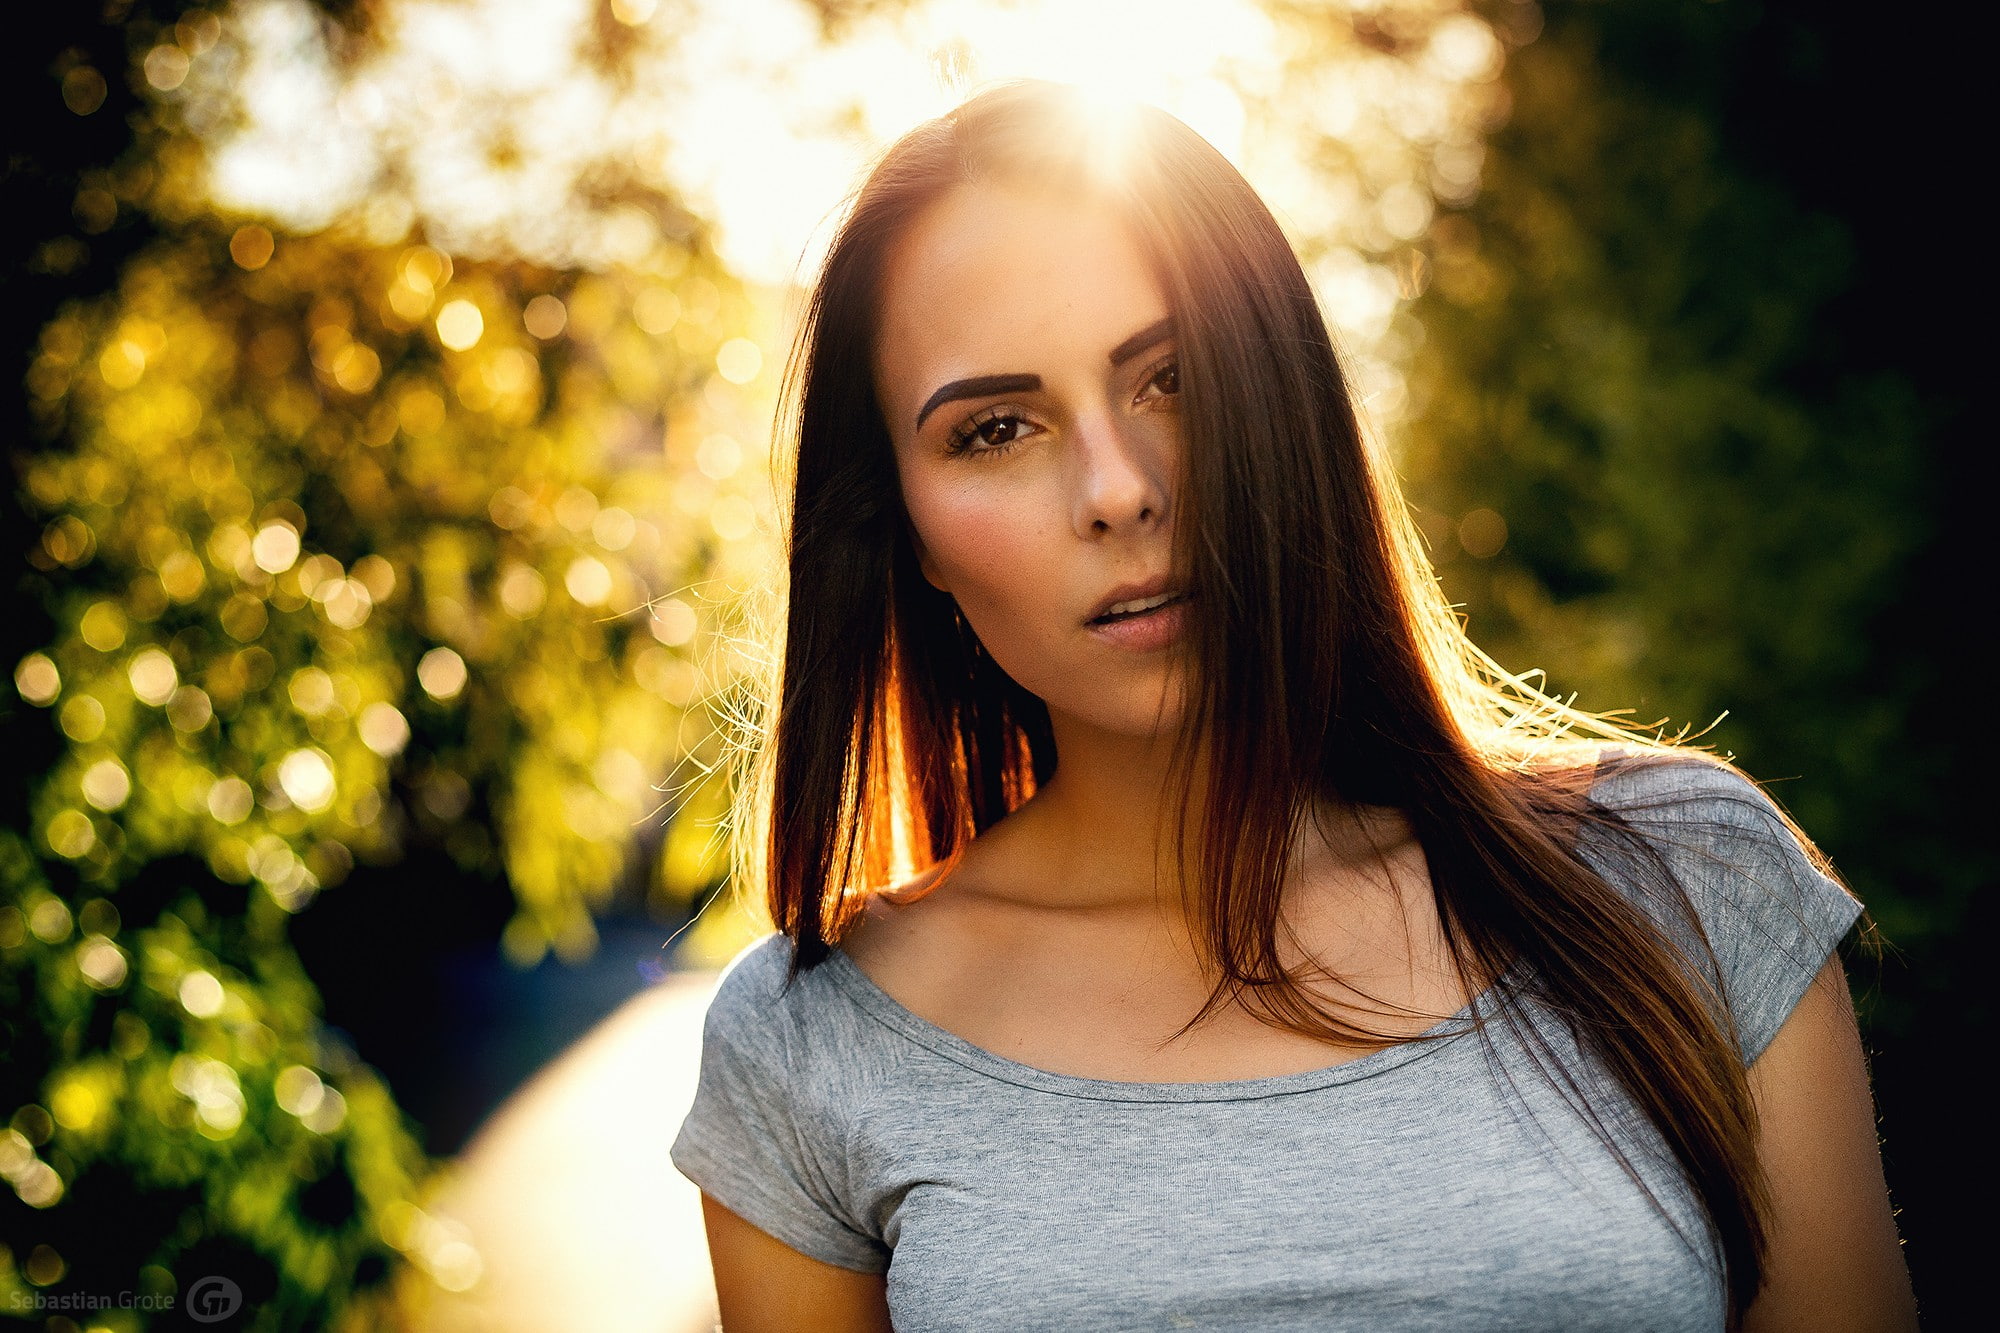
{"points": [[298, 527], [1630, 475], [188, 1092], [343, 540], [1678, 439]]}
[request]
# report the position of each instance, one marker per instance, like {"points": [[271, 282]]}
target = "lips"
{"points": [[1143, 632], [1133, 610], [1129, 592]]}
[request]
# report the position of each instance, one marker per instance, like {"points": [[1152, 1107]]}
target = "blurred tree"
{"points": [[1623, 482], [336, 542], [1670, 443], [239, 680]]}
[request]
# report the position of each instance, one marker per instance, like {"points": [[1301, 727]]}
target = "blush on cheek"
{"points": [[997, 541], [988, 552]]}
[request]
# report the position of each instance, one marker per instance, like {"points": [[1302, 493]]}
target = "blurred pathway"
{"points": [[567, 1196]]}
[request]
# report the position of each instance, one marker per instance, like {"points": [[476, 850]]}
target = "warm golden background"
{"points": [[392, 521]]}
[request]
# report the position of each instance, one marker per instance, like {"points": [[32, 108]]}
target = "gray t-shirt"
{"points": [[1424, 1186]]}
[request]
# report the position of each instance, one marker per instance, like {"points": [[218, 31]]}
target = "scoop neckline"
{"points": [[859, 986]]}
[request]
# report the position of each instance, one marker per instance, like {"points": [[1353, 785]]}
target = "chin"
{"points": [[1139, 718]]}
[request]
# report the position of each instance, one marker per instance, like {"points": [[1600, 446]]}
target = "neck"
{"points": [[1098, 837], [1106, 818]]}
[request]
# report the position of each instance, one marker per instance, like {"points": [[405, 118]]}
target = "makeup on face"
{"points": [[1148, 630], [1029, 365], [988, 386]]}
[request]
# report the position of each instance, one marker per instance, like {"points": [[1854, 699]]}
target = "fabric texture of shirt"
{"points": [[1431, 1185]]}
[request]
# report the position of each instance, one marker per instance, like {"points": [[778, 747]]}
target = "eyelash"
{"points": [[963, 435]]}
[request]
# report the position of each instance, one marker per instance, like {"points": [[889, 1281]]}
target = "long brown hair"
{"points": [[1325, 662]]}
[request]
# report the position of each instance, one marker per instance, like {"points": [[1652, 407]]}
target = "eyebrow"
{"points": [[979, 386], [1146, 338], [984, 386]]}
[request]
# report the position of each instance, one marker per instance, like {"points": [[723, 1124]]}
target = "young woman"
{"points": [[1276, 962]]}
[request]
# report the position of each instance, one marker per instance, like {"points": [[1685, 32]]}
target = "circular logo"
{"points": [[213, 1298]]}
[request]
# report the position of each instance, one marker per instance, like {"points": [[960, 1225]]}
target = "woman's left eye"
{"points": [[1165, 381]]}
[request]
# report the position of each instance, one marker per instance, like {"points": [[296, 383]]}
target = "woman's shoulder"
{"points": [[1698, 810], [801, 1030], [1641, 786], [767, 1133], [1692, 802], [757, 999], [1692, 833], [1635, 781], [756, 973]]}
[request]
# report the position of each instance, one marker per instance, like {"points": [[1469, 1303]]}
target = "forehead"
{"points": [[995, 278]]}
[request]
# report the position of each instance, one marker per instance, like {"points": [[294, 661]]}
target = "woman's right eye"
{"points": [[994, 431]]}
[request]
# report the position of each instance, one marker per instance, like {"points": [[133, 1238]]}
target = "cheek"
{"points": [[993, 548]]}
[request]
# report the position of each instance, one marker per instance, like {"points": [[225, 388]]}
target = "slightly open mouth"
{"points": [[1114, 617]]}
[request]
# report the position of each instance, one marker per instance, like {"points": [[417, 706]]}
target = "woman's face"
{"points": [[1028, 374]]}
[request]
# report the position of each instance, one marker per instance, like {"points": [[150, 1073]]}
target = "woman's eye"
{"points": [[1166, 379], [994, 431], [1001, 430]]}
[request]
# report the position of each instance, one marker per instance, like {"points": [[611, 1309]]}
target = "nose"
{"points": [[1121, 477]]}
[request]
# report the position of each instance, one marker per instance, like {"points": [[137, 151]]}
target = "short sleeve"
{"points": [[751, 1139], [1771, 918]]}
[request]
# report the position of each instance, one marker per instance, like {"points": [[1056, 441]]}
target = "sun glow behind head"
{"points": [[896, 70], [1108, 126], [741, 105], [530, 128], [1185, 56]]}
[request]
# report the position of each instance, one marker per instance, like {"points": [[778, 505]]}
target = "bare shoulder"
{"points": [[956, 943], [891, 912], [905, 931], [924, 915]]}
